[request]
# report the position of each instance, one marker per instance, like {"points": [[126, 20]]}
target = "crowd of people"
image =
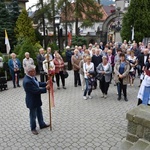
{"points": [[94, 65], [97, 64]]}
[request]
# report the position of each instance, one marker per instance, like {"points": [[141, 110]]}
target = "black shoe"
{"points": [[119, 98], [45, 126], [64, 87], [34, 132], [75, 85], [18, 85], [14, 86], [126, 99]]}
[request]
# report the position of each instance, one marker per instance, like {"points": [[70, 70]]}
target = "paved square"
{"points": [[93, 124]]}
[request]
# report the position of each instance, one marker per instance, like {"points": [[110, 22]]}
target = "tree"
{"points": [[5, 23], [87, 11], [45, 10], [24, 27], [14, 12], [137, 16]]}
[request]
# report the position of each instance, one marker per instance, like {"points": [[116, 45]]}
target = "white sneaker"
{"points": [[105, 96], [90, 97], [84, 97]]}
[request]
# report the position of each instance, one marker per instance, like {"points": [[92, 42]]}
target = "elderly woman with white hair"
{"points": [[104, 70], [27, 61], [14, 67]]}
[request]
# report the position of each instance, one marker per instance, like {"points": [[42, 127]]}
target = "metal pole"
{"points": [[58, 38]]}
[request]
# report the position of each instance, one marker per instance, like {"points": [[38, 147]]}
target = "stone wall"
{"points": [[138, 124]]}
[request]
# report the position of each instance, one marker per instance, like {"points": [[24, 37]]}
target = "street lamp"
{"points": [[57, 24]]}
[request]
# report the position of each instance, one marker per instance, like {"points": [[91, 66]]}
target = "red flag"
{"points": [[69, 38]]}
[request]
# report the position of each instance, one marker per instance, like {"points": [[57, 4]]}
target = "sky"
{"points": [[30, 3]]}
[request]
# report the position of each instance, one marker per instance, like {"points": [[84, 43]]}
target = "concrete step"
{"points": [[140, 145], [148, 148], [125, 145]]}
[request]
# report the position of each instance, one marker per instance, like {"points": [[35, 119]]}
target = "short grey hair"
{"points": [[30, 67], [27, 53]]}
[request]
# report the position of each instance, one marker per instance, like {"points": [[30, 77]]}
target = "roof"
{"points": [[70, 15], [109, 9], [105, 10]]}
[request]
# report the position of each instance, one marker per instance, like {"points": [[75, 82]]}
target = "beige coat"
{"points": [[125, 74], [75, 62]]}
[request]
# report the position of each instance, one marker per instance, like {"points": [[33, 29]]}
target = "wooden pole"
{"points": [[50, 111]]}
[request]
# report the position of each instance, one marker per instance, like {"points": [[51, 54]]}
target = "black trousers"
{"points": [[77, 78], [14, 75], [69, 65], [121, 88], [42, 77], [104, 86], [58, 76]]}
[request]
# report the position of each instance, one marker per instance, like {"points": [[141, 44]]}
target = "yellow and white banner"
{"points": [[7, 43]]}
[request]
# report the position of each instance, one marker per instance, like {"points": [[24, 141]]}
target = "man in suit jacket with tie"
{"points": [[33, 90]]}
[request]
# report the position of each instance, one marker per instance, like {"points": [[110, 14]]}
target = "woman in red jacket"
{"points": [[59, 68]]}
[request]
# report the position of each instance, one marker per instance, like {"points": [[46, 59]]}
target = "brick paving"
{"points": [[93, 124]]}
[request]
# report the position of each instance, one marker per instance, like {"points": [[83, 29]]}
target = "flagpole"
{"points": [[50, 111]]}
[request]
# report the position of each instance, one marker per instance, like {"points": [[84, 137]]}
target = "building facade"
{"points": [[22, 3]]}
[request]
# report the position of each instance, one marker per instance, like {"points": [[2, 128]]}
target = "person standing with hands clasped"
{"points": [[14, 67], [104, 70], [121, 71], [88, 69], [33, 90]]}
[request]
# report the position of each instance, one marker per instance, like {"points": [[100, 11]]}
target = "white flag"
{"points": [[7, 43], [132, 33]]}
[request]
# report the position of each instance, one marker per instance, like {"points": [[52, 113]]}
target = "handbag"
{"points": [[99, 76], [65, 74]]}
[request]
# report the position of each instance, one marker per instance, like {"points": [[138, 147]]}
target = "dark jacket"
{"points": [[96, 60], [141, 60], [68, 55], [40, 60], [33, 92]]}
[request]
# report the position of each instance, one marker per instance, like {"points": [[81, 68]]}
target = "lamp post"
{"points": [[57, 24]]}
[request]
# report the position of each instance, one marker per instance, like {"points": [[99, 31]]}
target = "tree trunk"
{"points": [[43, 22], [77, 21], [66, 24], [54, 28], [77, 29]]}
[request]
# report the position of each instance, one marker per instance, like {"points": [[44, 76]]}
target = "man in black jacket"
{"points": [[143, 60], [40, 59], [96, 59]]}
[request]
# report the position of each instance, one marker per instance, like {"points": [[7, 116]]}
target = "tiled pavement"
{"points": [[93, 124]]}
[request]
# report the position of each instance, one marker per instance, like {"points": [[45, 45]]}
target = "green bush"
{"points": [[79, 41], [53, 46]]}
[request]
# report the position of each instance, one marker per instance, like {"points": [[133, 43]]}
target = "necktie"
{"points": [[36, 81]]}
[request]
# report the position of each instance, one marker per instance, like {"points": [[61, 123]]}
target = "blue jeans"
{"points": [[36, 112], [87, 89]]}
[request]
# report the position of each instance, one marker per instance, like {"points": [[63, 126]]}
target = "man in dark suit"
{"points": [[143, 60], [33, 90], [101, 46], [96, 59], [40, 59]]}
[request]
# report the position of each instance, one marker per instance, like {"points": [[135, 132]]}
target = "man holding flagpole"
{"points": [[7, 43]]}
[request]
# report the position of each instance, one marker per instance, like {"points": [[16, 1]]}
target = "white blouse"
{"points": [[87, 68]]}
